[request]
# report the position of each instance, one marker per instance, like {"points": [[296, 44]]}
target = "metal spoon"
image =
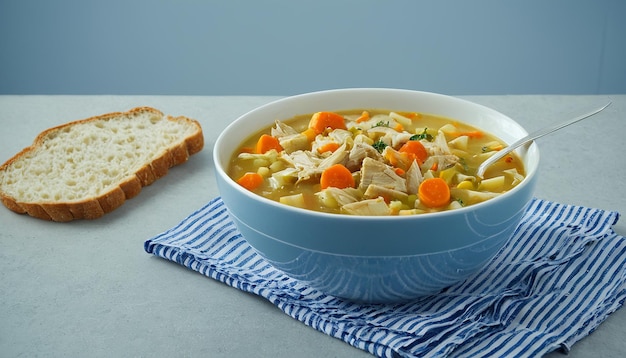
{"points": [[537, 134]]}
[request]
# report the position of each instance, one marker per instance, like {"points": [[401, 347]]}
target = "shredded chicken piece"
{"points": [[336, 197], [293, 142], [283, 177], [400, 160], [439, 146], [340, 135], [310, 165], [301, 159], [376, 207], [289, 138], [374, 121], [337, 157], [378, 173], [306, 163], [359, 152], [391, 136], [281, 130], [374, 191], [401, 138], [441, 162], [337, 136], [413, 178]]}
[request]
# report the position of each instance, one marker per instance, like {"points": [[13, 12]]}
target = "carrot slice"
{"points": [[337, 176], [365, 116], [434, 192], [416, 150], [250, 180], [328, 147], [399, 171], [322, 120], [413, 115], [266, 142]]}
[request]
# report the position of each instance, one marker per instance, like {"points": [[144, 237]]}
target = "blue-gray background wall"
{"points": [[282, 47]]}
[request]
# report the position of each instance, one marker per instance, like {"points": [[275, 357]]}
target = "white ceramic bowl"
{"points": [[375, 259]]}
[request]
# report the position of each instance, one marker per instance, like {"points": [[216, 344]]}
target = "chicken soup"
{"points": [[373, 162]]}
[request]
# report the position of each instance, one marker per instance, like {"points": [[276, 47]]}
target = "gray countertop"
{"points": [[88, 289]]}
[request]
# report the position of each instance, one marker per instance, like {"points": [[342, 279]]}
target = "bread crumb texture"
{"points": [[90, 158]]}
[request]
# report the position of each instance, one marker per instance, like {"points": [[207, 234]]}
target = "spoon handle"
{"points": [[532, 136]]}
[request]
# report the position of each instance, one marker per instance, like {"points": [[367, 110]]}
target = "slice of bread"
{"points": [[87, 168]]}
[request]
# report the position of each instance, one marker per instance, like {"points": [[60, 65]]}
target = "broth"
{"points": [[373, 162]]}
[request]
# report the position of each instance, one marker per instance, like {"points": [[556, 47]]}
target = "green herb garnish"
{"points": [[423, 135], [379, 146]]}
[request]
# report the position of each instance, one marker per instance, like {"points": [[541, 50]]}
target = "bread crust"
{"points": [[131, 186]]}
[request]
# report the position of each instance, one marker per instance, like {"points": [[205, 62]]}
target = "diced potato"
{"points": [[261, 162], [411, 199], [459, 142], [396, 206], [284, 177], [400, 119], [455, 204], [326, 199], [296, 200], [341, 136], [361, 138], [424, 130], [411, 212], [277, 166], [448, 128], [264, 171]]}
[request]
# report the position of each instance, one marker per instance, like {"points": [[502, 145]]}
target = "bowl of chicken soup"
{"points": [[371, 194]]}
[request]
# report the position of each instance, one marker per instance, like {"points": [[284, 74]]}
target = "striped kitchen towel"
{"points": [[561, 274]]}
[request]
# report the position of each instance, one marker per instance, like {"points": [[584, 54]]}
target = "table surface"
{"points": [[88, 289]]}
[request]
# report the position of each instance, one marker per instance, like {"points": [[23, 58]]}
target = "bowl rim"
{"points": [[530, 149]]}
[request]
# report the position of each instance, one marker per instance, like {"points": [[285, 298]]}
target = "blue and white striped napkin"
{"points": [[561, 274]]}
